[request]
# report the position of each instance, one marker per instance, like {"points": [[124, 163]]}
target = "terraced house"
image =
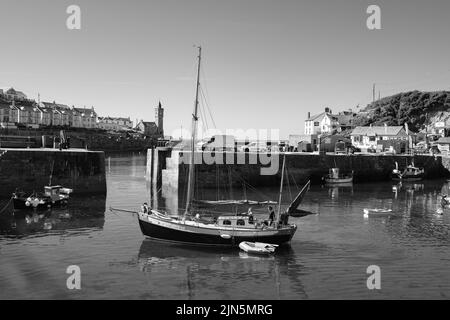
{"points": [[6, 118], [17, 110], [46, 114], [11, 94], [59, 114], [75, 118], [88, 117], [27, 113], [116, 124]]}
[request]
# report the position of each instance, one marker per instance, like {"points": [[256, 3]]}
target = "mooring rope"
{"points": [[123, 210], [7, 205]]}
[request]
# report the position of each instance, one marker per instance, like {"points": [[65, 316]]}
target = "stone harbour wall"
{"points": [[169, 168], [31, 169]]}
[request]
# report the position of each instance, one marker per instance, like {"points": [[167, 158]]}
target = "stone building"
{"points": [[365, 137], [153, 129], [114, 123]]}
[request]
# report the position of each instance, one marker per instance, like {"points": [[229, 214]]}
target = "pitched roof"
{"points": [[86, 111], [114, 118], [378, 131], [148, 123], [444, 140], [318, 117]]}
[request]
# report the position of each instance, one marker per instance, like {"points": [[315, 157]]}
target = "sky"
{"points": [[266, 63]]}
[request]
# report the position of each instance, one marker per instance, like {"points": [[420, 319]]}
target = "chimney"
{"points": [[385, 128], [406, 128], [327, 110], [309, 115]]}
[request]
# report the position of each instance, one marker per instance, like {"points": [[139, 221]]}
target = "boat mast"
{"points": [[190, 190], [281, 188]]}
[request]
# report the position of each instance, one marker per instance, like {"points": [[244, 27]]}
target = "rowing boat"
{"points": [[257, 247], [378, 213]]}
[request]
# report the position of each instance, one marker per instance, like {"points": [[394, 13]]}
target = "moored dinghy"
{"points": [[257, 247], [370, 213]]}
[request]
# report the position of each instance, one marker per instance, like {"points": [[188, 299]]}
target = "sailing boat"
{"points": [[228, 230], [411, 173]]}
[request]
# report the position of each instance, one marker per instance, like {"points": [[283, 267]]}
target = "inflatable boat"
{"points": [[257, 247]]}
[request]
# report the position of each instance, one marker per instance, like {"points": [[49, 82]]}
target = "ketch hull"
{"points": [[216, 237]]}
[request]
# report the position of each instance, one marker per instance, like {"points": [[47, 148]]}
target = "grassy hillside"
{"points": [[415, 108]]}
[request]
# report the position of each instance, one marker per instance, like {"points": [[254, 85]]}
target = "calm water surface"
{"points": [[327, 258]]}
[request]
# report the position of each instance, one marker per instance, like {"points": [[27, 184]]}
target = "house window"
{"points": [[371, 138], [316, 124]]}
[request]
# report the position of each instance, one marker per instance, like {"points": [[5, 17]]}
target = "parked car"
{"points": [[220, 143], [254, 147]]}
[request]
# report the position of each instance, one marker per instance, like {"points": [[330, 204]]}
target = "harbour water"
{"points": [[327, 258]]}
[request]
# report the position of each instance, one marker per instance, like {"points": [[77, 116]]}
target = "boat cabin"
{"points": [[52, 191], [236, 222], [412, 170]]}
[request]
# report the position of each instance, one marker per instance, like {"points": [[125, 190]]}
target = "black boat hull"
{"points": [[20, 204], [168, 234]]}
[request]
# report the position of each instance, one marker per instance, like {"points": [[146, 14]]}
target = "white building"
{"points": [[364, 137], [324, 122]]}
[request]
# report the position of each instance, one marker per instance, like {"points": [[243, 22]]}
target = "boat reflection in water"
{"points": [[339, 188], [209, 273], [84, 213]]}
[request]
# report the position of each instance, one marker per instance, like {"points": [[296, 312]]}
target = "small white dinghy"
{"points": [[378, 213], [257, 247]]}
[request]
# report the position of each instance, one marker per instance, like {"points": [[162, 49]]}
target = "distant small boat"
{"points": [[377, 213], [334, 177], [411, 173], [257, 247], [52, 196]]}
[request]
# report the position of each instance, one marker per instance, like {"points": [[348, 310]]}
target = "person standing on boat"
{"points": [[144, 207], [250, 216], [271, 215]]}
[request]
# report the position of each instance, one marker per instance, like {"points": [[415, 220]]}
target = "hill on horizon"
{"points": [[417, 108]]}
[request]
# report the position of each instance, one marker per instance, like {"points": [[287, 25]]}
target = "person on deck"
{"points": [[284, 219], [144, 207], [250, 216], [271, 215]]}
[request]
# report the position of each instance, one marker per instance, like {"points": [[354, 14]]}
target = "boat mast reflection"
{"points": [[200, 263]]}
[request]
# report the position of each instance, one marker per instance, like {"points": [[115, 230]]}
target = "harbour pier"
{"points": [[167, 169]]}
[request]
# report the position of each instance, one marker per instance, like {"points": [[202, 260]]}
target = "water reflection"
{"points": [[86, 213], [217, 269], [328, 256]]}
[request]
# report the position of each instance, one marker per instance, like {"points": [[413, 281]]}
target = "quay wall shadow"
{"points": [[31, 169]]}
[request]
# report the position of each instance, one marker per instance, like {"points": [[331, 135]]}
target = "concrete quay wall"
{"points": [[31, 169], [169, 168]]}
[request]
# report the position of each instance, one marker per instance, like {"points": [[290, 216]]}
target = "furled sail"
{"points": [[294, 207], [237, 202]]}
